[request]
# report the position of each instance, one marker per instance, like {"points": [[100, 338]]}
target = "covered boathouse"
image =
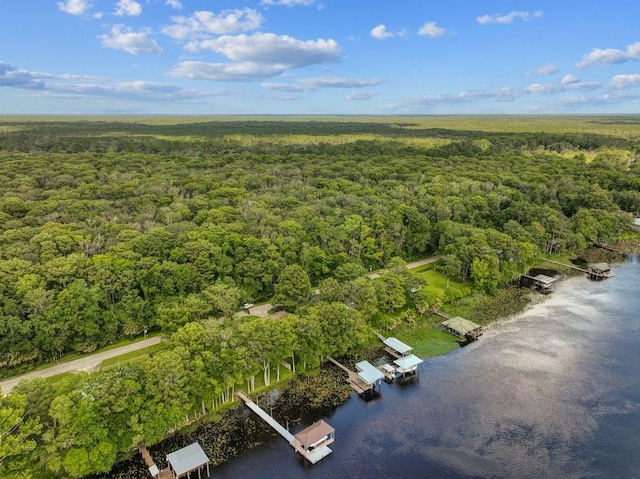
{"points": [[396, 348], [544, 283], [368, 374], [364, 379], [599, 270], [312, 443], [463, 328], [187, 460], [407, 365]]}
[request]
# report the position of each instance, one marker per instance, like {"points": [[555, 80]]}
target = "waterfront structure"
{"points": [[312, 443], [395, 347], [599, 270], [543, 283], [363, 380], [187, 460], [594, 270], [407, 365], [463, 328]]}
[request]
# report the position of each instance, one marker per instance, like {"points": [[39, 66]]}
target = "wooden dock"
{"points": [[266, 417], [352, 379], [313, 455], [606, 247], [591, 273], [153, 469]]}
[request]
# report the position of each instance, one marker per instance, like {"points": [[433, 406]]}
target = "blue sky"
{"points": [[319, 57]]}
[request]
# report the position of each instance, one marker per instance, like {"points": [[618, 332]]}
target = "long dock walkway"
{"points": [[268, 419], [567, 265]]}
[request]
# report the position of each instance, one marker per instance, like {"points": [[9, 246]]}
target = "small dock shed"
{"points": [[187, 460], [544, 283], [397, 348], [368, 374], [599, 270], [463, 328], [407, 365], [312, 443]]}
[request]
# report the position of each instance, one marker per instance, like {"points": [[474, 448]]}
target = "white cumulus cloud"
{"points": [[124, 38], [175, 4], [257, 57], [610, 56], [129, 8], [548, 69], [380, 32], [570, 80], [431, 29], [269, 48], [74, 7], [234, 72], [509, 17], [620, 82], [204, 23]]}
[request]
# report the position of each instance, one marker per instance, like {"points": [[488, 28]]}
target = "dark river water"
{"points": [[553, 393]]}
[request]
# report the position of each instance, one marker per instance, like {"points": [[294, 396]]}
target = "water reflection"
{"points": [[552, 393]]}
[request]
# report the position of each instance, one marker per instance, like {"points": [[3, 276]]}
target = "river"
{"points": [[552, 393]]}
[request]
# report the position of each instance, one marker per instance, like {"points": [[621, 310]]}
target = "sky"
{"points": [[319, 57]]}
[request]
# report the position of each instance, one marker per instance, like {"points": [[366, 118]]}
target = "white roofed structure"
{"points": [[368, 373], [187, 460], [407, 364], [396, 347]]}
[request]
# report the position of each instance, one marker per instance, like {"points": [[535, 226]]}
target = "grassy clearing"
{"points": [[440, 286], [426, 339], [422, 331], [58, 378]]}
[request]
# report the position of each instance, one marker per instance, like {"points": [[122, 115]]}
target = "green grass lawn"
{"points": [[425, 338], [54, 380], [422, 333], [440, 285]]}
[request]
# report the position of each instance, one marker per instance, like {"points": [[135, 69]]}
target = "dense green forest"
{"points": [[110, 226]]}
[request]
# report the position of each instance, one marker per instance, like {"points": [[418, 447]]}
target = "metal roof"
{"points": [[187, 459], [389, 368], [408, 362], [461, 325], [368, 373], [397, 345], [543, 278]]}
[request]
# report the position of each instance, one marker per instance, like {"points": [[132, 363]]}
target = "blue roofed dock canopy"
{"points": [[187, 460], [397, 348], [407, 364], [368, 373]]}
